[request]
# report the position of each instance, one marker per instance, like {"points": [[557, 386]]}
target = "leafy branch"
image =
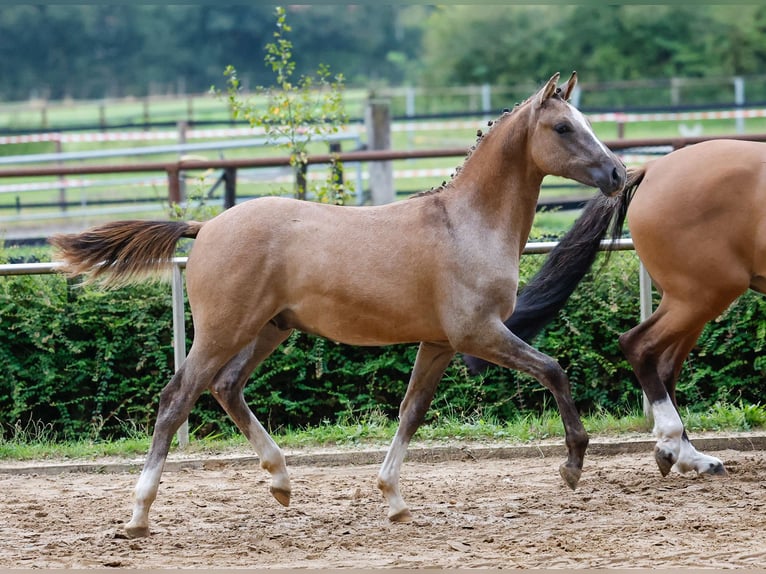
{"points": [[296, 112]]}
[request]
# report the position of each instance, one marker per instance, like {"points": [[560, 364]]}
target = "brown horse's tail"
{"points": [[122, 252], [540, 301]]}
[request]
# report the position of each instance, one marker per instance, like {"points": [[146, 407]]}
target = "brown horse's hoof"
{"points": [[570, 475], [136, 531], [665, 460], [403, 516], [282, 495], [715, 469]]}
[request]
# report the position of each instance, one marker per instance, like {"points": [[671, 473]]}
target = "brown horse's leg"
{"points": [[656, 349], [498, 345], [227, 388], [431, 361], [176, 401], [689, 458]]}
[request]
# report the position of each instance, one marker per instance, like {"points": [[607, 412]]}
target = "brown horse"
{"points": [[697, 217], [440, 269]]}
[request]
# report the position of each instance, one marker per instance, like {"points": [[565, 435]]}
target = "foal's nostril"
{"points": [[616, 177]]}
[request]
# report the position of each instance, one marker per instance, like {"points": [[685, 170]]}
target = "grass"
{"points": [[37, 441]]}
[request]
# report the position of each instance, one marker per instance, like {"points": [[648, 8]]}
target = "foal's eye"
{"points": [[563, 128]]}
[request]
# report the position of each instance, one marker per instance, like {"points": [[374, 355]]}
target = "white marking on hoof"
{"points": [[690, 459], [668, 429]]}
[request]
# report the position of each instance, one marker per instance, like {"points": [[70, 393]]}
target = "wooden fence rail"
{"points": [[173, 169]]}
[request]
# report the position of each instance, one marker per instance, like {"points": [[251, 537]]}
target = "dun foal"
{"points": [[440, 269]]}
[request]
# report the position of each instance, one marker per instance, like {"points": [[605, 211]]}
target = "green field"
{"points": [[149, 191]]}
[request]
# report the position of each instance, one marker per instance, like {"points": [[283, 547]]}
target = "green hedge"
{"points": [[92, 362]]}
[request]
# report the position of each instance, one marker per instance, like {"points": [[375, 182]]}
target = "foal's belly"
{"points": [[360, 326]]}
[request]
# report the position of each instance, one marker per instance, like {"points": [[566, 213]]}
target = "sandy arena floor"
{"points": [[474, 512]]}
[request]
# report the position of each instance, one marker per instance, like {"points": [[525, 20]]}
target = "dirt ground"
{"points": [[473, 512]]}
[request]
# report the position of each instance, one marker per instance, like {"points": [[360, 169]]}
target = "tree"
{"points": [[295, 111]]}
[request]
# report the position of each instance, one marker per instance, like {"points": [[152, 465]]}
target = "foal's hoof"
{"points": [[281, 494], [665, 460], [570, 475], [136, 531], [403, 516]]}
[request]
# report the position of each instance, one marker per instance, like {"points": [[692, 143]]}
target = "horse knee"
{"points": [[171, 393]]}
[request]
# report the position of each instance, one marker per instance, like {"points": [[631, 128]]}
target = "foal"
{"points": [[440, 269]]}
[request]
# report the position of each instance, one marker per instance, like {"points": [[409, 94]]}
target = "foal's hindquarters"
{"points": [[697, 222]]}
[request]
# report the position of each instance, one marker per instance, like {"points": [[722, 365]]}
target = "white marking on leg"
{"points": [[668, 427], [144, 493], [272, 459], [388, 480]]}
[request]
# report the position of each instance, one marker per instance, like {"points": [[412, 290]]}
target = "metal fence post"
{"points": [[645, 299], [179, 339], [739, 101]]}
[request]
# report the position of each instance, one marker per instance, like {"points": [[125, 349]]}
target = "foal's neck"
{"points": [[498, 178]]}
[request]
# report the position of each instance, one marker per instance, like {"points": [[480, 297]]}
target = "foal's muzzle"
{"points": [[611, 179]]}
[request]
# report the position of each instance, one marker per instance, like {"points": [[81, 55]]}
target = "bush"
{"points": [[91, 362], [82, 359]]}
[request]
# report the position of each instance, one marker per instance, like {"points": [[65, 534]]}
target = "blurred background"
{"points": [[124, 84]]}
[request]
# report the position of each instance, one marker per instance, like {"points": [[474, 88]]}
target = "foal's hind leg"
{"points": [[228, 387], [656, 349], [431, 361], [498, 345], [176, 401]]}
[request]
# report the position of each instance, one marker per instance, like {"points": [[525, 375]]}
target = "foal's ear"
{"points": [[547, 90], [570, 86]]}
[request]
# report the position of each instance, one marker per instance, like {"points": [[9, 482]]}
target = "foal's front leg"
{"points": [[430, 363], [498, 345]]}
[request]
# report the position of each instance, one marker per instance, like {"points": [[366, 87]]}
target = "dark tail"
{"points": [[548, 291], [122, 251]]}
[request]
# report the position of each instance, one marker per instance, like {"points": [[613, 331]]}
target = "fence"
{"points": [[174, 169], [407, 101], [177, 290]]}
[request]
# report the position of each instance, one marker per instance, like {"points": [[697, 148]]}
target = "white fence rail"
{"points": [[179, 326]]}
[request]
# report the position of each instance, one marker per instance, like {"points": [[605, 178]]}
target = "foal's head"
{"points": [[561, 141]]}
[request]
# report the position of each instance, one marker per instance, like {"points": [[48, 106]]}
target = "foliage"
{"points": [[295, 111], [603, 43], [80, 359], [138, 50], [372, 428], [81, 362], [729, 362]]}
